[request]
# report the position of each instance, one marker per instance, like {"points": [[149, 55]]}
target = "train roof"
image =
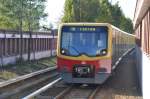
{"points": [[122, 31], [94, 24]]}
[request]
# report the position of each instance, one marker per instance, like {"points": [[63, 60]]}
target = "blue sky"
{"points": [[55, 8]]}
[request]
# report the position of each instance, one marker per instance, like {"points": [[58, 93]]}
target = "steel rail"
{"points": [[60, 95], [37, 92], [24, 77], [92, 96], [67, 90]]}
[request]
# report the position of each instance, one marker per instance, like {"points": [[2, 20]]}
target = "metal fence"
{"points": [[32, 45]]}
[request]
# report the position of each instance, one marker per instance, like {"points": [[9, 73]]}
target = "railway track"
{"points": [[79, 92], [23, 85], [122, 85], [58, 90], [49, 91]]}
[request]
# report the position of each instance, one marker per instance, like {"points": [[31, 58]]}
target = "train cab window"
{"points": [[84, 40]]}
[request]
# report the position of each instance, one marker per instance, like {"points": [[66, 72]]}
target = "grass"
{"points": [[48, 61], [12, 71], [5, 75]]}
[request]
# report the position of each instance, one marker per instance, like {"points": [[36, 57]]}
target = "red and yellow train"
{"points": [[89, 52]]}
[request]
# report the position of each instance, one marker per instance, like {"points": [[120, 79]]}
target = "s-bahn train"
{"points": [[89, 52]]}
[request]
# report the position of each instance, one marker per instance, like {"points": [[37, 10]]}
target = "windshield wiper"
{"points": [[66, 50], [74, 49]]}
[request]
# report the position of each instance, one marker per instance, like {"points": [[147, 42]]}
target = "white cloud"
{"points": [[128, 7], [54, 8]]}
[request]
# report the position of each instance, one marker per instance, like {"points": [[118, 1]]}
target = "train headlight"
{"points": [[101, 52], [62, 51], [104, 52]]}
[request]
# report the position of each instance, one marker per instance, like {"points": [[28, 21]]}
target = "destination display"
{"points": [[84, 28]]}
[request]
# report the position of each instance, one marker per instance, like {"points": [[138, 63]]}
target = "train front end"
{"points": [[84, 52]]}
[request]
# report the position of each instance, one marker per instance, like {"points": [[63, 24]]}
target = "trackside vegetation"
{"points": [[23, 15], [13, 70], [96, 11]]}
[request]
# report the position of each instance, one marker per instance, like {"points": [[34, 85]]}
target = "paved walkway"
{"points": [[123, 84]]}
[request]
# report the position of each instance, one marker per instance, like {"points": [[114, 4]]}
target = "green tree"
{"points": [[69, 12], [105, 12], [126, 24], [116, 14], [33, 13], [96, 11], [119, 19], [5, 20], [80, 11], [21, 14], [86, 11]]}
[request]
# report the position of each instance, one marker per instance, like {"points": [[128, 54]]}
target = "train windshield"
{"points": [[84, 40]]}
